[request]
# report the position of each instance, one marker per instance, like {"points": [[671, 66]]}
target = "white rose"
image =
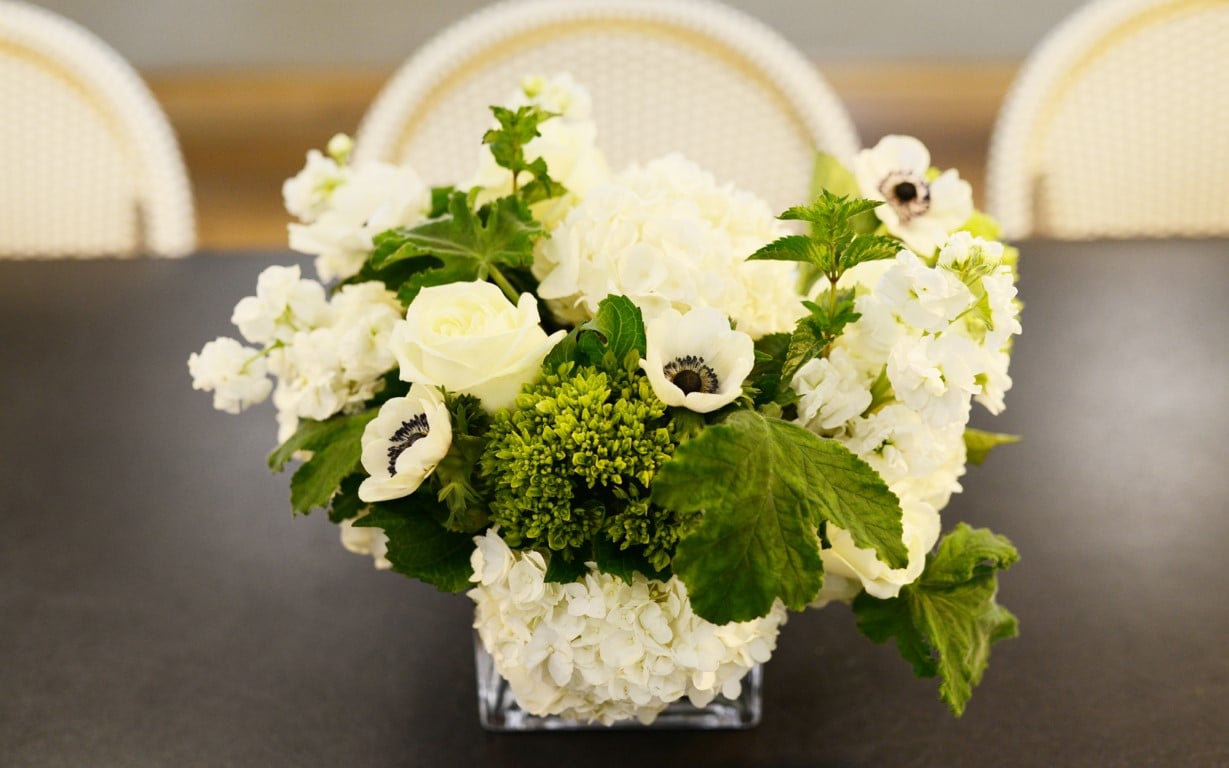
{"points": [[468, 338]]}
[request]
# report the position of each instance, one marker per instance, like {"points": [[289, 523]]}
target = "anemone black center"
{"points": [[905, 191], [407, 434], [690, 374]]}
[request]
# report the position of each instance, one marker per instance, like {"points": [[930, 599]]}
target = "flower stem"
{"points": [[498, 278]]}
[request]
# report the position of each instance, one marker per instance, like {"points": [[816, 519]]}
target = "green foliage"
{"points": [[767, 384], [335, 446], [462, 246], [837, 243], [418, 546], [516, 129], [830, 175], [575, 456], [945, 622], [616, 330], [978, 443], [456, 475], [764, 486], [346, 505]]}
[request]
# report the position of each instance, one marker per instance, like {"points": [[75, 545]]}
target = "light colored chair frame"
{"points": [[1013, 172], [742, 43], [112, 88]]}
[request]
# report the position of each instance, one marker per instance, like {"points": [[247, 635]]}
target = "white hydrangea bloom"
{"points": [[567, 142], [284, 305], [696, 361], [666, 235], [603, 650], [366, 541], [369, 200], [237, 375], [919, 211], [310, 382]]}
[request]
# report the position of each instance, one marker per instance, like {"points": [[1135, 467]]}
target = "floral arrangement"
{"points": [[635, 415]]}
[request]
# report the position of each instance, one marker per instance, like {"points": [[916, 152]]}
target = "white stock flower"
{"points": [[846, 560], [371, 199], [403, 444], [924, 297], [307, 194], [833, 390], [600, 649], [364, 315], [284, 305], [666, 235], [916, 460], [365, 541], [937, 376], [310, 382], [468, 338], [237, 375], [919, 211], [695, 360]]}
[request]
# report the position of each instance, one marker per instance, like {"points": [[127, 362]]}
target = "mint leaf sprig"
{"points": [[835, 244], [516, 129]]}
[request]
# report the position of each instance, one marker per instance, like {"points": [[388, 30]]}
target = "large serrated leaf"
{"points": [[764, 486]]}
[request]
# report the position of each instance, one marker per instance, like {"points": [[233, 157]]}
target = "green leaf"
{"points": [[465, 245], [869, 248], [611, 558], [508, 141], [618, 327], [560, 570], [945, 622], [764, 485], [419, 547], [979, 443], [792, 248], [336, 446], [346, 505]]}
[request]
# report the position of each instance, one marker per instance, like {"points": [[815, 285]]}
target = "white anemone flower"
{"points": [[403, 444], [696, 360], [920, 211]]}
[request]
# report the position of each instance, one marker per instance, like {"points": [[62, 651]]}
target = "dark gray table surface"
{"points": [[159, 606]]}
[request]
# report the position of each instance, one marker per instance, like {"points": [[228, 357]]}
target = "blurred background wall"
{"points": [[251, 85], [179, 34]]}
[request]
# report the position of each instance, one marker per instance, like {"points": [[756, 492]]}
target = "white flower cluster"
{"points": [[667, 236], [342, 208], [600, 649], [898, 385], [327, 354]]}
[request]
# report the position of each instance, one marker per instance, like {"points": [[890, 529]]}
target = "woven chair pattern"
{"points": [[665, 75], [1115, 127], [91, 166]]}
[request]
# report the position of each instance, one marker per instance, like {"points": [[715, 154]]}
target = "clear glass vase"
{"points": [[499, 711]]}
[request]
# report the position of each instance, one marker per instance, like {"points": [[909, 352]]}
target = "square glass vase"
{"points": [[499, 711]]}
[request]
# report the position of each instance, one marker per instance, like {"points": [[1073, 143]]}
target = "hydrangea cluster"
{"points": [[668, 236], [601, 649]]}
